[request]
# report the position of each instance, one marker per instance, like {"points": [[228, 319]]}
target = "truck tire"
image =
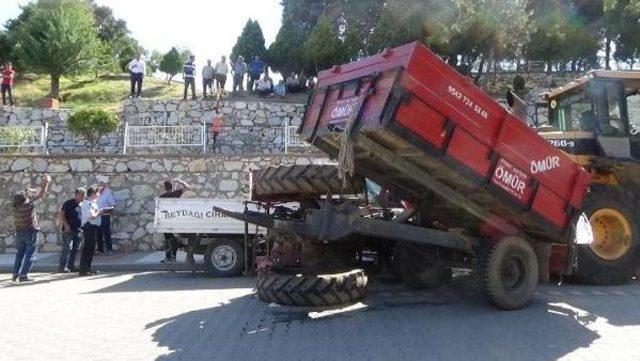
{"points": [[508, 273], [312, 290], [224, 258], [301, 181], [417, 271], [613, 256]]}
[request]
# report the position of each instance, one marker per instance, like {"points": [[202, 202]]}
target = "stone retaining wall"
{"points": [[136, 182], [250, 126]]}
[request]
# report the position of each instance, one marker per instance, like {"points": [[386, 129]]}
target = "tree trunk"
{"points": [[607, 50], [476, 80], [55, 86], [170, 77]]}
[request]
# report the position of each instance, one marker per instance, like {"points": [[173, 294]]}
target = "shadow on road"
{"points": [[448, 324], [171, 281], [37, 279]]}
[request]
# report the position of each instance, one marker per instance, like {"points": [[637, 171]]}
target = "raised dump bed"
{"points": [[420, 127]]}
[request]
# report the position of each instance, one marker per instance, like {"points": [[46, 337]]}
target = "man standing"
{"points": [[208, 73], [216, 128], [69, 217], [189, 75], [8, 78], [239, 70], [106, 203], [256, 68], [26, 225], [90, 220], [170, 240], [222, 69], [137, 68]]}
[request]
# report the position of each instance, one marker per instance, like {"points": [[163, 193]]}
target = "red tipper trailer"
{"points": [[429, 137], [419, 126]]}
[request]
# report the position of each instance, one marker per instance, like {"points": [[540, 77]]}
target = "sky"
{"points": [[209, 28]]}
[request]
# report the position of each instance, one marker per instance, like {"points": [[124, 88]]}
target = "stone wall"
{"points": [[250, 126], [136, 182]]}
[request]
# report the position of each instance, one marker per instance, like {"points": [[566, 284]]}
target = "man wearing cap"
{"points": [[69, 216]]}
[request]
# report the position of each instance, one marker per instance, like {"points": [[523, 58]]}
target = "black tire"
{"points": [[312, 290], [418, 270], [224, 258], [591, 268], [508, 273], [301, 182]]}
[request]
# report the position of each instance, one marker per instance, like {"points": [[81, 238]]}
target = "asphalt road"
{"points": [[178, 316]]}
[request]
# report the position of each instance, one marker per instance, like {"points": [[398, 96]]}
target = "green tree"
{"points": [[115, 32], [171, 63], [92, 124], [104, 62], [323, 48], [395, 27], [299, 17], [250, 43], [59, 38], [153, 63], [5, 47], [622, 18]]}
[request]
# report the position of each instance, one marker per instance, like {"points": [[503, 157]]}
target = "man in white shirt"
{"points": [[106, 203], [90, 220], [264, 85], [137, 68], [222, 69]]}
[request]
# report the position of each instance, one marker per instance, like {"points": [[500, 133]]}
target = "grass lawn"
{"points": [[104, 92]]}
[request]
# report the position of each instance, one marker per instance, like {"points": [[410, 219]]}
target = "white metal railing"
{"points": [[160, 136], [292, 139], [19, 136]]}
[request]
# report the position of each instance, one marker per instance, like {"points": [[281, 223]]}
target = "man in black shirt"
{"points": [[69, 217], [170, 240]]}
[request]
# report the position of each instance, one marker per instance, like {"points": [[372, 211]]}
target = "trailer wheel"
{"points": [[417, 270], [224, 258], [312, 290], [301, 181], [613, 255], [508, 273]]}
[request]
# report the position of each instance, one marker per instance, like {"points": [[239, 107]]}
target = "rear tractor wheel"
{"points": [[312, 290]]}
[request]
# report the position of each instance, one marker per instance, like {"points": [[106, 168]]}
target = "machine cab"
{"points": [[596, 115]]}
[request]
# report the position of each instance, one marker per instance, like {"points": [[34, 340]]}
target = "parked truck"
{"points": [[462, 183], [224, 242]]}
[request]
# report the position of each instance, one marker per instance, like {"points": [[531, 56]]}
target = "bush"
{"points": [[92, 124], [13, 136]]}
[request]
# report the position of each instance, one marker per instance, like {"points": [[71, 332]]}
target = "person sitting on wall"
{"points": [[292, 84], [264, 85], [279, 90]]}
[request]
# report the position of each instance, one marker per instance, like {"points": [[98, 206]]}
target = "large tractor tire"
{"points": [[613, 255], [508, 273], [419, 270], [312, 290], [301, 182]]}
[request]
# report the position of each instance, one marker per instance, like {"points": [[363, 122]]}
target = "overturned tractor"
{"points": [[432, 174]]}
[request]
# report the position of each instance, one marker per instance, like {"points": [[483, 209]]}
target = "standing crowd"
{"points": [[214, 78], [83, 220]]}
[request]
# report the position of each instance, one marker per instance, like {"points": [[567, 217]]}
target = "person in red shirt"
{"points": [[216, 128], [8, 76]]}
